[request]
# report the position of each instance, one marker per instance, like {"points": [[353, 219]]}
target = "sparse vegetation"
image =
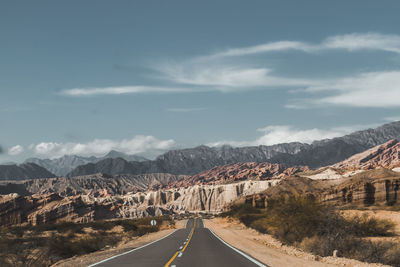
{"points": [[42, 245], [321, 229]]}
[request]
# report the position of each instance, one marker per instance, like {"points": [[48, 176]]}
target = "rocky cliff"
{"points": [[95, 185], [373, 187], [47, 208]]}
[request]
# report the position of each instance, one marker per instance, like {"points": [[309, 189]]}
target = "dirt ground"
{"points": [[88, 259], [270, 251]]}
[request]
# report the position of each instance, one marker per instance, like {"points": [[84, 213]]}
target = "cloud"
{"points": [[99, 147], [120, 90], [277, 134], [226, 78], [349, 42], [185, 109], [15, 150], [373, 89]]}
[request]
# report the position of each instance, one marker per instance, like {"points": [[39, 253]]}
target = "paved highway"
{"points": [[192, 246]]}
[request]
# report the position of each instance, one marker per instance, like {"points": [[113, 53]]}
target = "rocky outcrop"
{"points": [[95, 185], [386, 155], [373, 187], [23, 171], [195, 160], [47, 208], [239, 172]]}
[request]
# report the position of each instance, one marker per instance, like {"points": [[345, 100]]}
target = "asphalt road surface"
{"points": [[192, 246]]}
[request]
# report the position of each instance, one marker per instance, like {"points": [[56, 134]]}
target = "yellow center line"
{"points": [[172, 259], [187, 243]]}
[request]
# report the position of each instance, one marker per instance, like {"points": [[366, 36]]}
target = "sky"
{"points": [[143, 77]]}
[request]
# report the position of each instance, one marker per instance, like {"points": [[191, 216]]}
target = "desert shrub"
{"points": [[369, 226], [65, 247], [129, 225], [320, 229]]}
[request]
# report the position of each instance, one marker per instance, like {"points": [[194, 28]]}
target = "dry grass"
{"points": [[45, 244]]}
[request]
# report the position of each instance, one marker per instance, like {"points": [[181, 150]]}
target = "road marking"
{"points": [[172, 259], [180, 247], [181, 250], [113, 257], [240, 252]]}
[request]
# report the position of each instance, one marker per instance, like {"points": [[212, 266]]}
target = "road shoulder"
{"points": [[270, 251], [85, 260]]}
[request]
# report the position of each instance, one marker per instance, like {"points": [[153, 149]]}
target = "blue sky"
{"points": [[84, 77]]}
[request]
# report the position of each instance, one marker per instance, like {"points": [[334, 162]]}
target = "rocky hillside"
{"points": [[23, 171], [195, 160], [373, 187], [62, 166], [386, 155], [239, 172], [47, 208], [101, 185]]}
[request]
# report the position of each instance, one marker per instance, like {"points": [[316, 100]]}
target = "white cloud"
{"points": [[122, 90], [277, 134], [373, 89], [350, 42], [99, 147], [226, 78], [15, 150], [185, 109]]}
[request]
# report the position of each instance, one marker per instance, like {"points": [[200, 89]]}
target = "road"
{"points": [[192, 246]]}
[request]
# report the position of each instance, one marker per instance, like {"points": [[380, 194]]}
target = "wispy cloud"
{"points": [[277, 134], [349, 42], [183, 110], [373, 89], [226, 78], [15, 150], [220, 72], [98, 147], [120, 90]]}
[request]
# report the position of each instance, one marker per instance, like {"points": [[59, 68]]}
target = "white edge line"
{"points": [[132, 250], [240, 252]]}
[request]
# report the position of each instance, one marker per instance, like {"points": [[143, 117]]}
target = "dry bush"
{"points": [[320, 229]]}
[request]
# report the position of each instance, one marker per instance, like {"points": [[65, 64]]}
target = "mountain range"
{"points": [[23, 171], [195, 160], [192, 161], [62, 166]]}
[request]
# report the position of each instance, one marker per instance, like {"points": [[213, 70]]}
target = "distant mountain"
{"points": [[195, 160], [188, 161], [62, 166], [23, 171], [330, 151]]}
